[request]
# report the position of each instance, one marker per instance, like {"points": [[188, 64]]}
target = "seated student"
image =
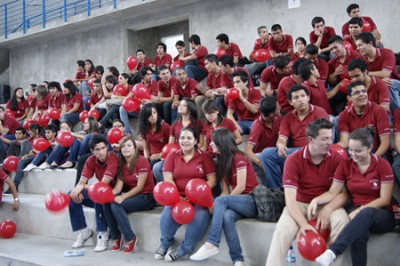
{"points": [[194, 63], [56, 98], [103, 165], [300, 45], [180, 167], [90, 128], [396, 159], [214, 120], [165, 88], [369, 181], [42, 101], [12, 147], [311, 53], [73, 105], [8, 125], [260, 43], [280, 44], [17, 105], [238, 179], [308, 174], [113, 71], [133, 192], [84, 88], [143, 61], [355, 29], [272, 75], [231, 49], [80, 75], [161, 59], [31, 99], [291, 135], [320, 36], [107, 85], [246, 106], [97, 96], [180, 47], [4, 178]]}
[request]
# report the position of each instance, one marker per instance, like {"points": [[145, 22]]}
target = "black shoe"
{"points": [[173, 256], [160, 253]]}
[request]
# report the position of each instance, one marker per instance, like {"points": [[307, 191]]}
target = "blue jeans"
{"points": [[396, 168], [227, 210], [41, 156], [84, 149], [394, 91], [245, 125], [194, 230], [83, 88], [112, 113], [124, 115], [19, 174], [77, 217], [356, 233], [116, 214], [85, 101], [59, 152], [273, 165], [255, 68], [195, 72], [157, 171], [72, 118]]}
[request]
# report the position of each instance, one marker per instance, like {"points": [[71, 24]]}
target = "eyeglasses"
{"points": [[355, 93]]}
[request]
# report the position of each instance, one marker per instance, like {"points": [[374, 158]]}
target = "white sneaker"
{"points": [[326, 259], [44, 165], [102, 241], [204, 253], [30, 167], [238, 263], [83, 236]]}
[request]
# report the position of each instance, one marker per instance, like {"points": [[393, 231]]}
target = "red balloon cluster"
{"points": [[199, 192], [65, 138], [323, 232], [166, 194], [8, 229], [41, 144], [220, 52], [170, 147], [11, 163], [343, 85], [348, 45], [262, 55], [131, 104], [311, 245], [101, 193], [183, 212], [54, 114], [28, 123], [232, 94], [56, 201], [114, 135], [132, 62], [83, 115], [120, 90], [176, 64], [94, 113], [339, 150], [141, 92]]}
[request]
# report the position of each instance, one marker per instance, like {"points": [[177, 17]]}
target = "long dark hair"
{"points": [[122, 159], [14, 101], [93, 125], [226, 145], [91, 66], [192, 109], [209, 106], [72, 89], [144, 115]]}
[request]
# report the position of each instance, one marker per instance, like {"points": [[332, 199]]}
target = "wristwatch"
{"points": [[16, 199]]}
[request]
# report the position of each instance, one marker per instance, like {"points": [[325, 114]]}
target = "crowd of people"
{"points": [[297, 109]]}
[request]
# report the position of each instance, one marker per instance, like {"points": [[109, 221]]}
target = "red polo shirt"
{"points": [[94, 167], [257, 46], [186, 91], [43, 104], [94, 98], [214, 82], [233, 50], [177, 126], [365, 20], [157, 140], [31, 101], [281, 96], [80, 75], [20, 111], [165, 59], [263, 136], [146, 62], [77, 98], [241, 110], [378, 92], [283, 46], [57, 101], [239, 162], [269, 75], [208, 129], [142, 166], [323, 69], [350, 40], [318, 95], [167, 89], [365, 187], [11, 123], [384, 60], [329, 32], [201, 52], [200, 166], [292, 128], [226, 79], [176, 58], [335, 62]]}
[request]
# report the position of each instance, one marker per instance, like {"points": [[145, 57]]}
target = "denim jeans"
{"points": [[273, 165], [112, 113], [227, 210], [85, 101], [26, 147], [396, 168], [255, 68], [245, 125], [84, 148], [194, 230], [157, 171], [72, 118], [195, 72], [124, 115], [77, 217], [59, 152], [41, 156], [356, 233], [19, 174], [394, 91], [117, 214], [84, 88]]}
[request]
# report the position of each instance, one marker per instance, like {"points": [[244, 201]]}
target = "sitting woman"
{"points": [[73, 103], [17, 105], [56, 98], [235, 172], [42, 101], [369, 180], [179, 168], [85, 135], [134, 192]]}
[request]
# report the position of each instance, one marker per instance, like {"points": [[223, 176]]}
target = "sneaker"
{"points": [[173, 256], [327, 258], [29, 167], [205, 252], [130, 246], [238, 263], [44, 165], [102, 241], [160, 253], [83, 236], [116, 244]]}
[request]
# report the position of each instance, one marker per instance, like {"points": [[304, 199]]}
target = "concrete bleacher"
{"points": [[36, 225]]}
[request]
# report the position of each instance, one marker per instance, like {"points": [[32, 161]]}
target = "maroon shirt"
{"points": [[164, 60], [239, 162], [384, 60], [11, 123], [167, 89], [263, 136], [94, 167], [270, 75], [201, 52], [77, 98], [233, 50], [281, 47], [57, 101], [157, 140], [188, 91], [281, 96], [318, 95], [257, 46], [335, 62], [214, 82], [329, 32], [241, 110], [142, 166], [20, 111]]}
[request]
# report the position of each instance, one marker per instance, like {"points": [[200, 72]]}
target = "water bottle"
{"points": [[291, 257], [74, 253]]}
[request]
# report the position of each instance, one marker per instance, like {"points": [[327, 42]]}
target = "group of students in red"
{"points": [[354, 86]]}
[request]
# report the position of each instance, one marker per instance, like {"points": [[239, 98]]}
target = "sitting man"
{"points": [[232, 49], [272, 75], [320, 36], [280, 44], [261, 43]]}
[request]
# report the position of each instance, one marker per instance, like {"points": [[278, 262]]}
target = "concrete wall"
{"points": [[53, 57]]}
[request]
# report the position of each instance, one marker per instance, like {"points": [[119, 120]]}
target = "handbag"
{"points": [[270, 203]]}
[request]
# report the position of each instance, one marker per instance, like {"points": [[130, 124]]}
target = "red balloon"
{"points": [[132, 62], [11, 163], [311, 245], [343, 85], [170, 147], [220, 52], [324, 233], [54, 114], [348, 45], [120, 90], [199, 192], [183, 212], [262, 55], [141, 92], [232, 94], [83, 115], [131, 104], [65, 138], [101, 193], [339, 149], [176, 64], [41, 144], [94, 113], [56, 201], [90, 83], [28, 123], [114, 135], [43, 120], [166, 194], [8, 229]]}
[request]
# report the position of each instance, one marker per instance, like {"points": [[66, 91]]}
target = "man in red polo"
{"points": [[320, 36], [165, 87], [279, 43], [103, 164], [232, 49], [272, 75], [355, 29], [364, 113], [142, 60], [8, 125], [194, 63], [311, 53], [260, 43]]}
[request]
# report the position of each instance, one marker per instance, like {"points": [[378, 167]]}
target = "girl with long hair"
{"points": [[17, 105], [74, 103]]}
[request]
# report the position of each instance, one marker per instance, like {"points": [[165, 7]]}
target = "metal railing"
{"points": [[20, 15]]}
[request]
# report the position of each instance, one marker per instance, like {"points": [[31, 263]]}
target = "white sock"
{"points": [[326, 258]]}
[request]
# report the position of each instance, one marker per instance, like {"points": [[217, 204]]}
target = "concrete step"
{"points": [[255, 236]]}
